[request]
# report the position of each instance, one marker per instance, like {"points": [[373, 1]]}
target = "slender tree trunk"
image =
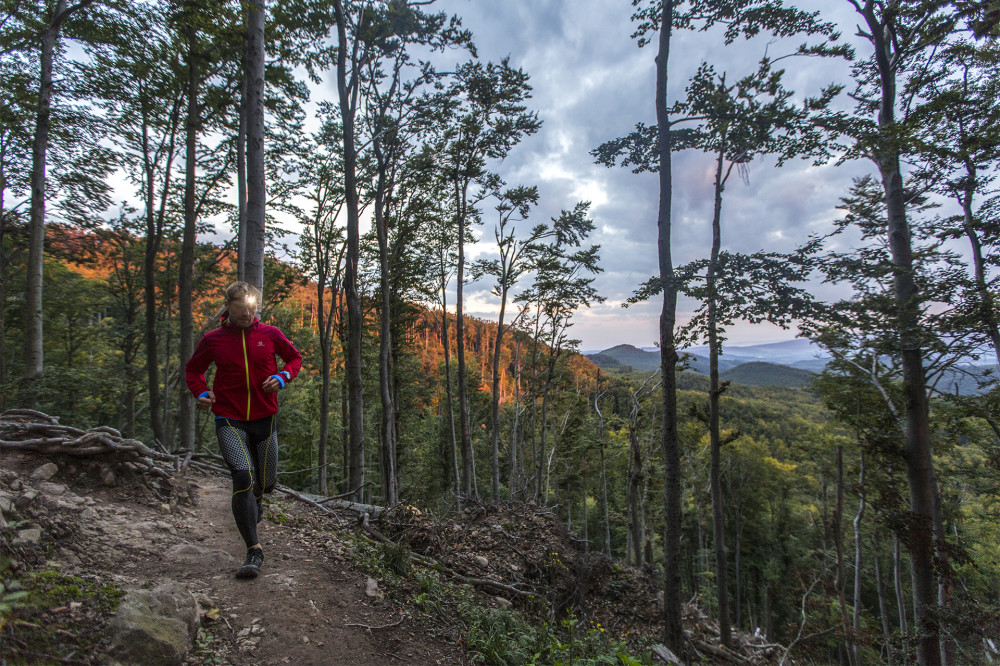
{"points": [[737, 582], [495, 402], [389, 487], [463, 389], [714, 393], [856, 634], [154, 238], [673, 635], [324, 326], [883, 610], [635, 476], [447, 380], [253, 265], [324, 414], [3, 301], [545, 409], [838, 544], [919, 462], [241, 167], [586, 513], [348, 91], [34, 352], [897, 579], [515, 452], [185, 282], [604, 476]]}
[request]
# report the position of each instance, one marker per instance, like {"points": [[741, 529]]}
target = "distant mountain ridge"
{"points": [[791, 363]]}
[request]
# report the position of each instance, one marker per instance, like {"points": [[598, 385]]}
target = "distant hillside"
{"points": [[642, 360], [789, 352], [626, 355], [759, 373]]}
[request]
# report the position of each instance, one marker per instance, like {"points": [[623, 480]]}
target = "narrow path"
{"points": [[308, 607], [299, 609]]}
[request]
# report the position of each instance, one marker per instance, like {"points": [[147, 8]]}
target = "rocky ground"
{"points": [[311, 604]]}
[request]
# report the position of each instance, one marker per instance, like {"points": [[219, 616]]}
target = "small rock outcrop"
{"points": [[155, 626]]}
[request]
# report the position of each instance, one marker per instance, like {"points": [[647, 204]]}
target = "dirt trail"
{"points": [[309, 605]]}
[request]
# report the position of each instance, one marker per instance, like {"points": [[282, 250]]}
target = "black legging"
{"points": [[249, 448]]}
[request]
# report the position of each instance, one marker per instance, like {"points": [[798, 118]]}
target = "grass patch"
{"points": [[58, 617]]}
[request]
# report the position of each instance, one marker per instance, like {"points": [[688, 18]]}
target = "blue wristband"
{"points": [[203, 395], [281, 380], [288, 375]]}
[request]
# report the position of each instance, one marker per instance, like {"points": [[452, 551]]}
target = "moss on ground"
{"points": [[59, 618]]}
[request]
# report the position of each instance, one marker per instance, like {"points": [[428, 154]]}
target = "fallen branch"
{"points": [[431, 563], [720, 651], [384, 626]]}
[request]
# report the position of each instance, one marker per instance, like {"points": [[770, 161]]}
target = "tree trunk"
{"points": [[390, 490], [241, 167], [897, 580], [463, 391], [254, 263], [34, 352], [604, 476], [714, 393], [495, 403], [883, 610], [514, 480], [673, 635], [185, 281], [838, 544], [154, 237], [856, 637], [348, 91], [447, 380], [635, 474], [919, 462]]}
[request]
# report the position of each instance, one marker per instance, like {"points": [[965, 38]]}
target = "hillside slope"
{"points": [[760, 373]]}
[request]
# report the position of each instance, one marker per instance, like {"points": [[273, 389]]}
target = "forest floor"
{"points": [[505, 583], [310, 605]]}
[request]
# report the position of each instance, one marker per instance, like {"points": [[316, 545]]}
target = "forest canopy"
{"points": [[348, 159]]}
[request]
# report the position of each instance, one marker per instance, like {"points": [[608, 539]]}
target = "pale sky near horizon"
{"points": [[591, 84]]}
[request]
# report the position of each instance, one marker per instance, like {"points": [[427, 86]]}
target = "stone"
{"points": [[53, 489], [482, 561], [371, 588], [25, 499], [156, 626], [31, 536], [6, 505], [45, 472], [504, 603], [108, 477]]}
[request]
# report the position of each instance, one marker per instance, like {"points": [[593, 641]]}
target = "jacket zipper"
{"points": [[246, 363]]}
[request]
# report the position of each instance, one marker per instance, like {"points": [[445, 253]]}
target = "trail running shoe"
{"points": [[260, 509], [251, 568]]}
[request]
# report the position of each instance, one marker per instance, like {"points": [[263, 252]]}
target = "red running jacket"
{"points": [[244, 358]]}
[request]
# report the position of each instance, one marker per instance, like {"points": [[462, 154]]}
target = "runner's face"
{"points": [[241, 312]]}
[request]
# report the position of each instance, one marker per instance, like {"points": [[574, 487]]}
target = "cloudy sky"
{"points": [[591, 84]]}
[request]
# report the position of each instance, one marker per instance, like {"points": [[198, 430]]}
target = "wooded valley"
{"points": [[152, 153]]}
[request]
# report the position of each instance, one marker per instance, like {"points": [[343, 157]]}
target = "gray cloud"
{"points": [[591, 83]]}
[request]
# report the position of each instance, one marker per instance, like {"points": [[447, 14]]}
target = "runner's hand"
{"points": [[271, 385], [206, 401]]}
